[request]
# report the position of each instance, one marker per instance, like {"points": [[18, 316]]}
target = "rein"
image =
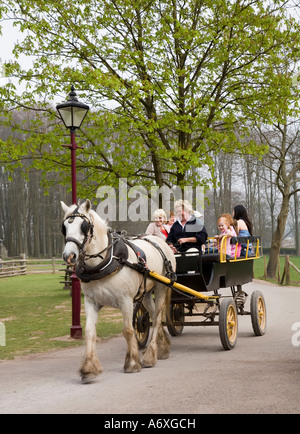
{"points": [[84, 256]]}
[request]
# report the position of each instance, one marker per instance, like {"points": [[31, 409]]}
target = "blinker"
{"points": [[85, 227]]}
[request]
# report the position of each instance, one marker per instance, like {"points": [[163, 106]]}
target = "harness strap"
{"points": [[140, 266], [118, 258], [137, 250], [170, 273]]}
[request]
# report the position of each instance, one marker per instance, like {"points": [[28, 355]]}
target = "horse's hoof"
{"points": [[149, 357], [147, 364], [163, 356], [88, 378], [132, 369]]}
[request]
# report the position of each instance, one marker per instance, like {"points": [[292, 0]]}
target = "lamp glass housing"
{"points": [[71, 116], [72, 112]]}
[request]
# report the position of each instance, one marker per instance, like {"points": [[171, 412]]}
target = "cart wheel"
{"points": [[258, 313], [228, 323], [141, 324], [177, 315]]}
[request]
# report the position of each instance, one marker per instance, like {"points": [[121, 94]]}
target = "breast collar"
{"points": [[116, 252]]}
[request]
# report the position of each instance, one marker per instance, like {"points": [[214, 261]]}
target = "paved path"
{"points": [[260, 375]]}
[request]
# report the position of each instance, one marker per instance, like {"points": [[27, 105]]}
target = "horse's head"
{"points": [[77, 228]]}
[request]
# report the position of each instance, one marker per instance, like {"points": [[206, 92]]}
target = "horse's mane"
{"points": [[98, 221]]}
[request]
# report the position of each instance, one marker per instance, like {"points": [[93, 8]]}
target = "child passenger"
{"points": [[170, 222], [226, 228]]}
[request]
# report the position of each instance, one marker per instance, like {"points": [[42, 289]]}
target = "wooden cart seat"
{"points": [[209, 258], [192, 262]]}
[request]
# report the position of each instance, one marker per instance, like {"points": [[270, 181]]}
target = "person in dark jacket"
{"points": [[188, 231]]}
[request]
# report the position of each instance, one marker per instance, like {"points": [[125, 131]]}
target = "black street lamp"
{"points": [[72, 113]]}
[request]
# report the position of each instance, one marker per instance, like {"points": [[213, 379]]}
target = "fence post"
{"points": [[53, 265], [2, 335], [23, 264], [265, 267], [287, 268], [278, 271]]}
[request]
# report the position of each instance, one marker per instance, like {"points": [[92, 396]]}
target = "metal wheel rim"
{"points": [[178, 315], [261, 312], [140, 329], [231, 324]]}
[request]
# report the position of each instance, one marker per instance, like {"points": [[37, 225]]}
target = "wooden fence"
{"points": [[22, 265], [19, 266], [286, 271], [285, 278]]}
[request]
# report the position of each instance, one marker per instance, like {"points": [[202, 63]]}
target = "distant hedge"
{"points": [[283, 251]]}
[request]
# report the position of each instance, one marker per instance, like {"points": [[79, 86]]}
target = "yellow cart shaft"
{"points": [[181, 287]]}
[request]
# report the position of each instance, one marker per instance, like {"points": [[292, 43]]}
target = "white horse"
{"points": [[89, 246]]}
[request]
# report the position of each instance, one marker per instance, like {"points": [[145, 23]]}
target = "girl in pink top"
{"points": [[226, 229]]}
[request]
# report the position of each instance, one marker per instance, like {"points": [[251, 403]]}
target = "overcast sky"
{"points": [[9, 37], [7, 40]]}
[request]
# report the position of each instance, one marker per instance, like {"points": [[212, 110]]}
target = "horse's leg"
{"points": [[91, 366], [149, 304], [163, 342], [159, 346], [132, 359]]}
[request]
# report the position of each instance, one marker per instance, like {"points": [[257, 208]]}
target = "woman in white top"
{"points": [[157, 226]]}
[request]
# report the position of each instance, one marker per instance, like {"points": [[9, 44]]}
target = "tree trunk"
{"points": [[277, 237], [297, 232]]}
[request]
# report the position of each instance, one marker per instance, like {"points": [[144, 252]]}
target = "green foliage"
{"points": [[170, 83]]}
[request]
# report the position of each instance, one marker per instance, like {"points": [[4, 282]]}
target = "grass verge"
{"points": [[294, 276], [36, 313]]}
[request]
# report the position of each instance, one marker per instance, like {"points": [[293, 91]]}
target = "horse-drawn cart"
{"points": [[198, 273], [116, 272]]}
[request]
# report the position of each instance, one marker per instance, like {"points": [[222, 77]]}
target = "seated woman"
{"points": [[244, 227], [156, 227], [187, 231]]}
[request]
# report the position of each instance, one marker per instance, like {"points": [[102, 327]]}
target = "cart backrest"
{"points": [[187, 261], [251, 244], [193, 262], [209, 258]]}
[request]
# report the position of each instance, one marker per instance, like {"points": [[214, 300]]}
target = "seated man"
{"points": [[187, 231]]}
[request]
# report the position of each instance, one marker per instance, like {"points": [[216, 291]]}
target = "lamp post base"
{"points": [[76, 332], [76, 329]]}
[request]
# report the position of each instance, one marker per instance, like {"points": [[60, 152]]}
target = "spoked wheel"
{"points": [[141, 324], [258, 313], [177, 316], [228, 323]]}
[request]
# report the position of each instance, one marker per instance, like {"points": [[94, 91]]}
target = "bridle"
{"points": [[87, 229]]}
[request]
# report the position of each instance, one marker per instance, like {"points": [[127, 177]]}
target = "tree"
{"points": [[185, 78], [284, 161]]}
